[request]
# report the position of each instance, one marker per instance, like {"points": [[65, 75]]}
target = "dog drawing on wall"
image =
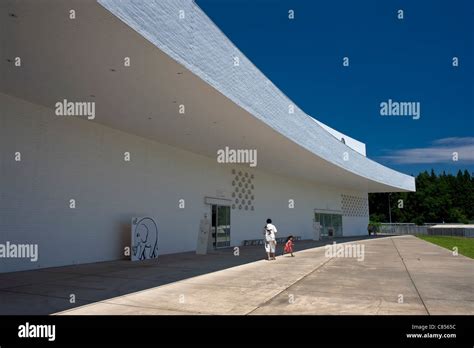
{"points": [[144, 238]]}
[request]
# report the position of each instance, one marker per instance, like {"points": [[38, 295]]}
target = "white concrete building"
{"points": [[169, 90]]}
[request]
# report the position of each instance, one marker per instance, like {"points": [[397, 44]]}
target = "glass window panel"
{"points": [[317, 217], [329, 221], [223, 226]]}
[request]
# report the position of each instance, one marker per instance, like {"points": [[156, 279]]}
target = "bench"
{"points": [[251, 242]]}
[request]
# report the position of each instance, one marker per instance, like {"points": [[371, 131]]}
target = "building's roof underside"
{"points": [[173, 61], [200, 46]]}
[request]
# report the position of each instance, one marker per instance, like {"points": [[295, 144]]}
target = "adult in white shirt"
{"points": [[270, 239]]}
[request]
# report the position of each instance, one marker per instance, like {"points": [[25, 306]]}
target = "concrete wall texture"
{"points": [[68, 158]]}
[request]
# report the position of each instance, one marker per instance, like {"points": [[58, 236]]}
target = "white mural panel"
{"points": [[144, 238]]}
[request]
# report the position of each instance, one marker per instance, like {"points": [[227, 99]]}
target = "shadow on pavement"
{"points": [[51, 290]]}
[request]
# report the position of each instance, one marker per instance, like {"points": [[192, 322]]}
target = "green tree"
{"points": [[438, 198]]}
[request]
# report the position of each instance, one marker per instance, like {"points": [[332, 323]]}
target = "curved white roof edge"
{"points": [[198, 44], [351, 142]]}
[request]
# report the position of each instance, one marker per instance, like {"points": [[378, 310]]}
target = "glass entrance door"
{"points": [[331, 224], [220, 226]]}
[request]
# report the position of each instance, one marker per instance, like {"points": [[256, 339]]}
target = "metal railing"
{"points": [[426, 229], [403, 228]]}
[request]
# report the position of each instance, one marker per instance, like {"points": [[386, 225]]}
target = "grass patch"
{"points": [[465, 245]]}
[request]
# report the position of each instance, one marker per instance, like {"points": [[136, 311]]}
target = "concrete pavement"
{"points": [[50, 290], [399, 275]]}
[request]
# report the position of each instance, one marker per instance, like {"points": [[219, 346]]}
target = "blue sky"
{"points": [[407, 60]]}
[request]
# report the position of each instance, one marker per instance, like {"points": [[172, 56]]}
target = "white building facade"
{"points": [[170, 91]]}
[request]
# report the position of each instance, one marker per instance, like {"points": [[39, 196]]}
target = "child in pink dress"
{"points": [[289, 246]]}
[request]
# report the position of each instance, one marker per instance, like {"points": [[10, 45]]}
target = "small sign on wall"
{"points": [[203, 236], [144, 238]]}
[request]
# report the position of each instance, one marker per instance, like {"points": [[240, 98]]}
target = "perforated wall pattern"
{"points": [[354, 205], [242, 190]]}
